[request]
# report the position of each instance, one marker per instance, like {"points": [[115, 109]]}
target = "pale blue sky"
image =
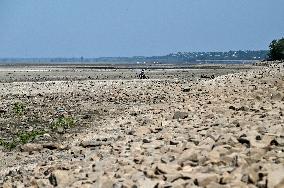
{"points": [[95, 28]]}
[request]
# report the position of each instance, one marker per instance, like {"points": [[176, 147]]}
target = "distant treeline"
{"points": [[180, 57]]}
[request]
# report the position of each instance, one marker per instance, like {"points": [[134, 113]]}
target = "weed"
{"points": [[21, 138], [25, 137], [19, 108], [64, 122], [8, 145]]}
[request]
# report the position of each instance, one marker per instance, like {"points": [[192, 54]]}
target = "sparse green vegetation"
{"points": [[25, 137], [63, 122], [8, 145], [19, 135], [19, 108], [21, 138]]}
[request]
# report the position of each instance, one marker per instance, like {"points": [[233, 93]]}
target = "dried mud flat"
{"points": [[222, 132]]}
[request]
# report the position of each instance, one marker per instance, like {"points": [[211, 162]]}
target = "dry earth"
{"points": [[224, 132]]}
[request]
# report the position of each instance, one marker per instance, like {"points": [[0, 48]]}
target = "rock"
{"points": [[180, 115], [54, 146], [147, 183], [216, 185], [245, 141], [277, 96], [60, 130], [3, 111], [214, 157], [226, 178], [262, 183], [207, 143], [61, 178], [46, 136], [146, 140], [93, 143], [202, 179], [173, 176], [279, 141], [141, 131], [31, 147], [252, 176], [186, 88], [104, 182], [179, 183], [243, 108], [265, 141], [167, 168], [188, 155], [43, 183], [276, 178], [8, 185], [152, 145], [238, 184]]}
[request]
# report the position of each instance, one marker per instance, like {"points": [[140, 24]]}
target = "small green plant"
{"points": [[19, 108], [64, 122], [25, 137], [8, 145], [21, 138]]}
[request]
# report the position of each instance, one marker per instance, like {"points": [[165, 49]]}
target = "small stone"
{"points": [[7, 185], [179, 183], [93, 143], [104, 182], [46, 136], [245, 141], [147, 183], [276, 178], [54, 146], [190, 155], [205, 179], [31, 147], [243, 108], [43, 183], [146, 140], [226, 178], [180, 115], [60, 178], [60, 130], [167, 169], [186, 88], [141, 131]]}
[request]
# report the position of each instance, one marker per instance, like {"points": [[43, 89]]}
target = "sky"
{"points": [[103, 28]]}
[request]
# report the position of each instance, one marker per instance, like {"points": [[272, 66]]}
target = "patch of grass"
{"points": [[25, 137], [64, 122], [21, 138], [19, 108], [8, 145]]}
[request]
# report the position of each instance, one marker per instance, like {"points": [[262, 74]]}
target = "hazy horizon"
{"points": [[92, 29]]}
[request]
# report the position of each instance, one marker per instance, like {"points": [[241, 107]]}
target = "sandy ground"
{"points": [[176, 131]]}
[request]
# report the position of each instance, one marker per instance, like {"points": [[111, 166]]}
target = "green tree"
{"points": [[276, 49]]}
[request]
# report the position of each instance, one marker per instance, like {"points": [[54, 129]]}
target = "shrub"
{"points": [[25, 137], [19, 108], [8, 145], [64, 122], [276, 50], [21, 138]]}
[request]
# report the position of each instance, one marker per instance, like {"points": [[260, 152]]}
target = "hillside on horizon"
{"points": [[179, 57]]}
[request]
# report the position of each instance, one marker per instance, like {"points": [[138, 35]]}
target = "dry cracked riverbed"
{"points": [[223, 132]]}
